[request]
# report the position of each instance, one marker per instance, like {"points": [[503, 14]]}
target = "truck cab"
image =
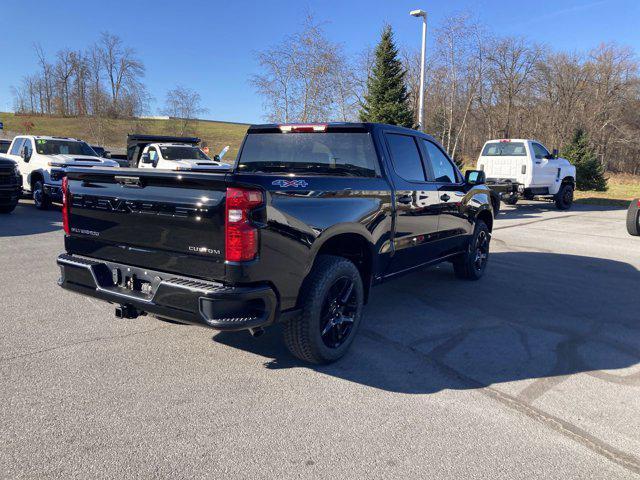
{"points": [[525, 168], [178, 156], [42, 161]]}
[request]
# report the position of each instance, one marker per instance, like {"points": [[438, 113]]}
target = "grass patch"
{"points": [[112, 133], [622, 189]]}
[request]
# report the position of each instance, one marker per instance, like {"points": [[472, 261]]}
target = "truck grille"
{"points": [[7, 179]]}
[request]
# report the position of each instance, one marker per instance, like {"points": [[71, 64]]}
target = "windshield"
{"points": [[504, 149], [325, 153], [183, 153], [64, 147]]}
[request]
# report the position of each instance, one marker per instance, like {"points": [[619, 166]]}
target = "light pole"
{"points": [[423, 14]]}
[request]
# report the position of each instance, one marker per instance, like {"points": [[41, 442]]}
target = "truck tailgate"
{"points": [[166, 221]]}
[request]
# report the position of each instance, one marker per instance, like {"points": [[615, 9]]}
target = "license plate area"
{"points": [[134, 280]]}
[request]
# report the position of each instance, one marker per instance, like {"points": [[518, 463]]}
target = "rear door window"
{"points": [[17, 145], [504, 149], [406, 157]]}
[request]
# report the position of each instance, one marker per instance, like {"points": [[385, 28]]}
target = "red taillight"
{"points": [[304, 128], [66, 206], [241, 236]]}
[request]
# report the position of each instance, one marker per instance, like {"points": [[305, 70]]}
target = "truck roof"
{"points": [[333, 127], [173, 145], [49, 137], [513, 140]]}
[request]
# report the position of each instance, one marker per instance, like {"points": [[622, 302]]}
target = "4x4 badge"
{"points": [[289, 183]]}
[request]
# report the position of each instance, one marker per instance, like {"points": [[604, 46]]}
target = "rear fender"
{"points": [[334, 231]]}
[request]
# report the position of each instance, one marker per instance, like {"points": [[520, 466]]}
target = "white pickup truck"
{"points": [[42, 160], [517, 168], [178, 156]]}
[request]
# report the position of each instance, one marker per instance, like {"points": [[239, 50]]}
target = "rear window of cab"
{"points": [[335, 153], [504, 149]]}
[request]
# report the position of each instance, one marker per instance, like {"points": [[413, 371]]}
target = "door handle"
{"points": [[445, 197], [405, 199]]}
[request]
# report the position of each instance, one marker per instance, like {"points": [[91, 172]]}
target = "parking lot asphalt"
{"points": [[532, 372]]}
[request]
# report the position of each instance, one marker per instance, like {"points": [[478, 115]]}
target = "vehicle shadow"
{"points": [[534, 316], [536, 208], [27, 220]]}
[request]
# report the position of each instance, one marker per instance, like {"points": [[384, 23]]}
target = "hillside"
{"points": [[112, 133]]}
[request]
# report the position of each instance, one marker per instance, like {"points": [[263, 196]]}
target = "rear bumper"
{"points": [[505, 186], [183, 299]]}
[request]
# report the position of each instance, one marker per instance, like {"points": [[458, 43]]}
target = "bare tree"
{"points": [[306, 78], [183, 105], [47, 79], [512, 61], [121, 67]]}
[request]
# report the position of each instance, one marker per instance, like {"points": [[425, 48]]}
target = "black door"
{"points": [[453, 224], [416, 216]]}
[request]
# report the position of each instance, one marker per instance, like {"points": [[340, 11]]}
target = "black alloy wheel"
{"points": [[338, 312], [331, 303]]}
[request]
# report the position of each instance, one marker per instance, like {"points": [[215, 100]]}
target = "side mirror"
{"points": [[555, 153], [222, 153], [145, 158], [25, 154], [107, 154], [474, 177]]}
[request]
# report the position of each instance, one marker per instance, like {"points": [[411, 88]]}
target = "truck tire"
{"points": [[564, 197], [40, 199], [495, 203], [633, 218], [510, 199], [472, 264], [331, 303]]}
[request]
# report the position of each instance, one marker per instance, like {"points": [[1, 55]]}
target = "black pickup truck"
{"points": [[309, 219], [10, 185]]}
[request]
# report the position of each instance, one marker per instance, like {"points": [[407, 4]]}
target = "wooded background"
{"points": [[479, 85]]}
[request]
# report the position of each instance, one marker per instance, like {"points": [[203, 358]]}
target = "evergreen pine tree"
{"points": [[386, 100], [589, 171]]}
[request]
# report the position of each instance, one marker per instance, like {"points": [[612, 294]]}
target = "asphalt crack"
{"points": [[628, 461], [80, 342]]}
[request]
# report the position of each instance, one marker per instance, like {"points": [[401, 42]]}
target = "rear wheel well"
{"points": [[487, 218], [357, 249]]}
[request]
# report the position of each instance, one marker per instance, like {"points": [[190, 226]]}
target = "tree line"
{"points": [[479, 86], [102, 80]]}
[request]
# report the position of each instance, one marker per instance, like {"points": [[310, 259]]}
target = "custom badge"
{"points": [[289, 183]]}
